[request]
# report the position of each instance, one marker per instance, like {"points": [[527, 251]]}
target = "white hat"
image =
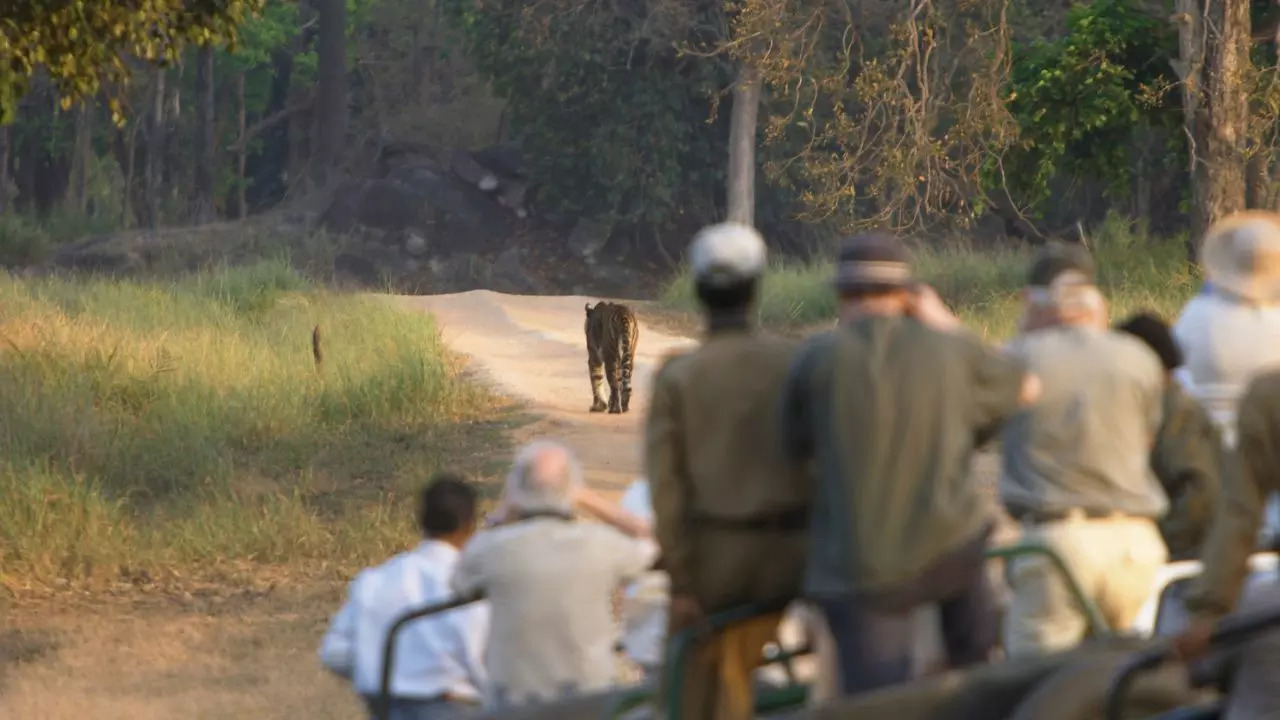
{"points": [[727, 253], [1241, 255]]}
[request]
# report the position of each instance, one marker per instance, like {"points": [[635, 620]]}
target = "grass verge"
{"points": [[1136, 271], [186, 428]]}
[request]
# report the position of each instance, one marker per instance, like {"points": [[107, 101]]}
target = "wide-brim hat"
{"points": [[1241, 255]]}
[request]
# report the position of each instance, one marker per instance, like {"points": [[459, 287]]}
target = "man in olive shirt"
{"points": [[1076, 467], [1252, 473], [885, 411], [729, 511], [1187, 457]]}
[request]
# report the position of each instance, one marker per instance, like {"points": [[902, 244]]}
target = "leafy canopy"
{"points": [[1079, 99], [84, 45]]}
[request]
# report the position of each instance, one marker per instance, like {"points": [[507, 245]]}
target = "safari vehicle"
{"points": [[1122, 674]]}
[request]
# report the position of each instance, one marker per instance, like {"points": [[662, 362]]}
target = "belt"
{"points": [[786, 521], [1043, 517]]}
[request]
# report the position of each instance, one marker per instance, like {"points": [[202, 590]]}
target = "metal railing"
{"points": [[383, 707], [681, 644], [1231, 632]]}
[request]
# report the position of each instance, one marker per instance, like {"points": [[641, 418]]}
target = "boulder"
{"points": [[589, 236], [415, 244], [459, 217]]}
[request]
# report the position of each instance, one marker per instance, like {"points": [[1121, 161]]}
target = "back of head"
{"points": [[447, 506], [872, 264], [544, 479], [727, 260], [1152, 330], [1062, 280]]}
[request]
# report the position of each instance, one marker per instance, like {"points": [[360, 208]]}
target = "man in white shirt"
{"points": [[439, 660], [551, 579]]}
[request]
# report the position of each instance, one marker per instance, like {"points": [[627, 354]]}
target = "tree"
{"points": [[741, 196], [204, 208], [83, 45], [331, 105], [1214, 38]]}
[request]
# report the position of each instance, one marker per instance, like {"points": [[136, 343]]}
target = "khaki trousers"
{"points": [[1115, 560], [718, 682]]}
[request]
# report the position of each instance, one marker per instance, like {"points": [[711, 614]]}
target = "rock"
{"points": [[415, 245], [457, 216], [465, 166], [503, 160], [589, 237]]}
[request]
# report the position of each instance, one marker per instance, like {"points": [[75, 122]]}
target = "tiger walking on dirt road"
{"points": [[612, 335]]}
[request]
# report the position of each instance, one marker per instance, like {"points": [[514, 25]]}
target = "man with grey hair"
{"points": [[1076, 470], [550, 580]]}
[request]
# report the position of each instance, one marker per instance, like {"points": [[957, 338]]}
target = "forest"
{"points": [[981, 118]]}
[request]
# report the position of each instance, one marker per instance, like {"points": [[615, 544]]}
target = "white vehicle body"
{"points": [[1164, 615]]}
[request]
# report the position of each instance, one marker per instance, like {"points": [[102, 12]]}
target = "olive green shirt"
{"points": [[885, 411], [711, 455], [1249, 475], [1187, 460]]}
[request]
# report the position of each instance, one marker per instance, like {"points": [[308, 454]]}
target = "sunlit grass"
{"points": [[1137, 272], [147, 425]]}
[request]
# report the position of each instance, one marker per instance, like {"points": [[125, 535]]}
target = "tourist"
{"points": [[439, 660], [886, 410]]}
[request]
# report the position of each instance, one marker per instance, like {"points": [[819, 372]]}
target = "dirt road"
{"points": [[255, 657], [534, 348]]}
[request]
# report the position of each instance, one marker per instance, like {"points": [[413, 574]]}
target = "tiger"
{"points": [[612, 334]]}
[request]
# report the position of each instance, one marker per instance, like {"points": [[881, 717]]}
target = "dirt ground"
{"points": [[251, 654]]}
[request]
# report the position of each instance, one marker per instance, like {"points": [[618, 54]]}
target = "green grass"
{"points": [[185, 425], [1137, 272]]}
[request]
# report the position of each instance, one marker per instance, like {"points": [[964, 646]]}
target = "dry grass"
{"points": [[153, 431], [1136, 271]]}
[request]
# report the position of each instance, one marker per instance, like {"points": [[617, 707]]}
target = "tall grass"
{"points": [[1136, 271], [144, 426]]}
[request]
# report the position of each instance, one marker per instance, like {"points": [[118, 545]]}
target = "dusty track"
{"points": [[534, 348], [139, 660]]}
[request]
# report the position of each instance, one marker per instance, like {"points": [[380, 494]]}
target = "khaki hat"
{"points": [[1241, 255]]}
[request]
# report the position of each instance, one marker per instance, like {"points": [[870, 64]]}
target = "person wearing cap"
{"points": [[730, 512], [885, 411], [1187, 455], [1231, 331], [1076, 470], [550, 580]]}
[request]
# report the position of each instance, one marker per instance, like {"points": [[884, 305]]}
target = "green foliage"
{"points": [[1079, 99], [1136, 271], [148, 425], [613, 119], [84, 44]]}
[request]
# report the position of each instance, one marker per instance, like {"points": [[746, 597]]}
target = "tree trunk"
{"points": [[242, 208], [331, 108], [155, 153], [1213, 65], [6, 195], [741, 196], [205, 209], [83, 156]]}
